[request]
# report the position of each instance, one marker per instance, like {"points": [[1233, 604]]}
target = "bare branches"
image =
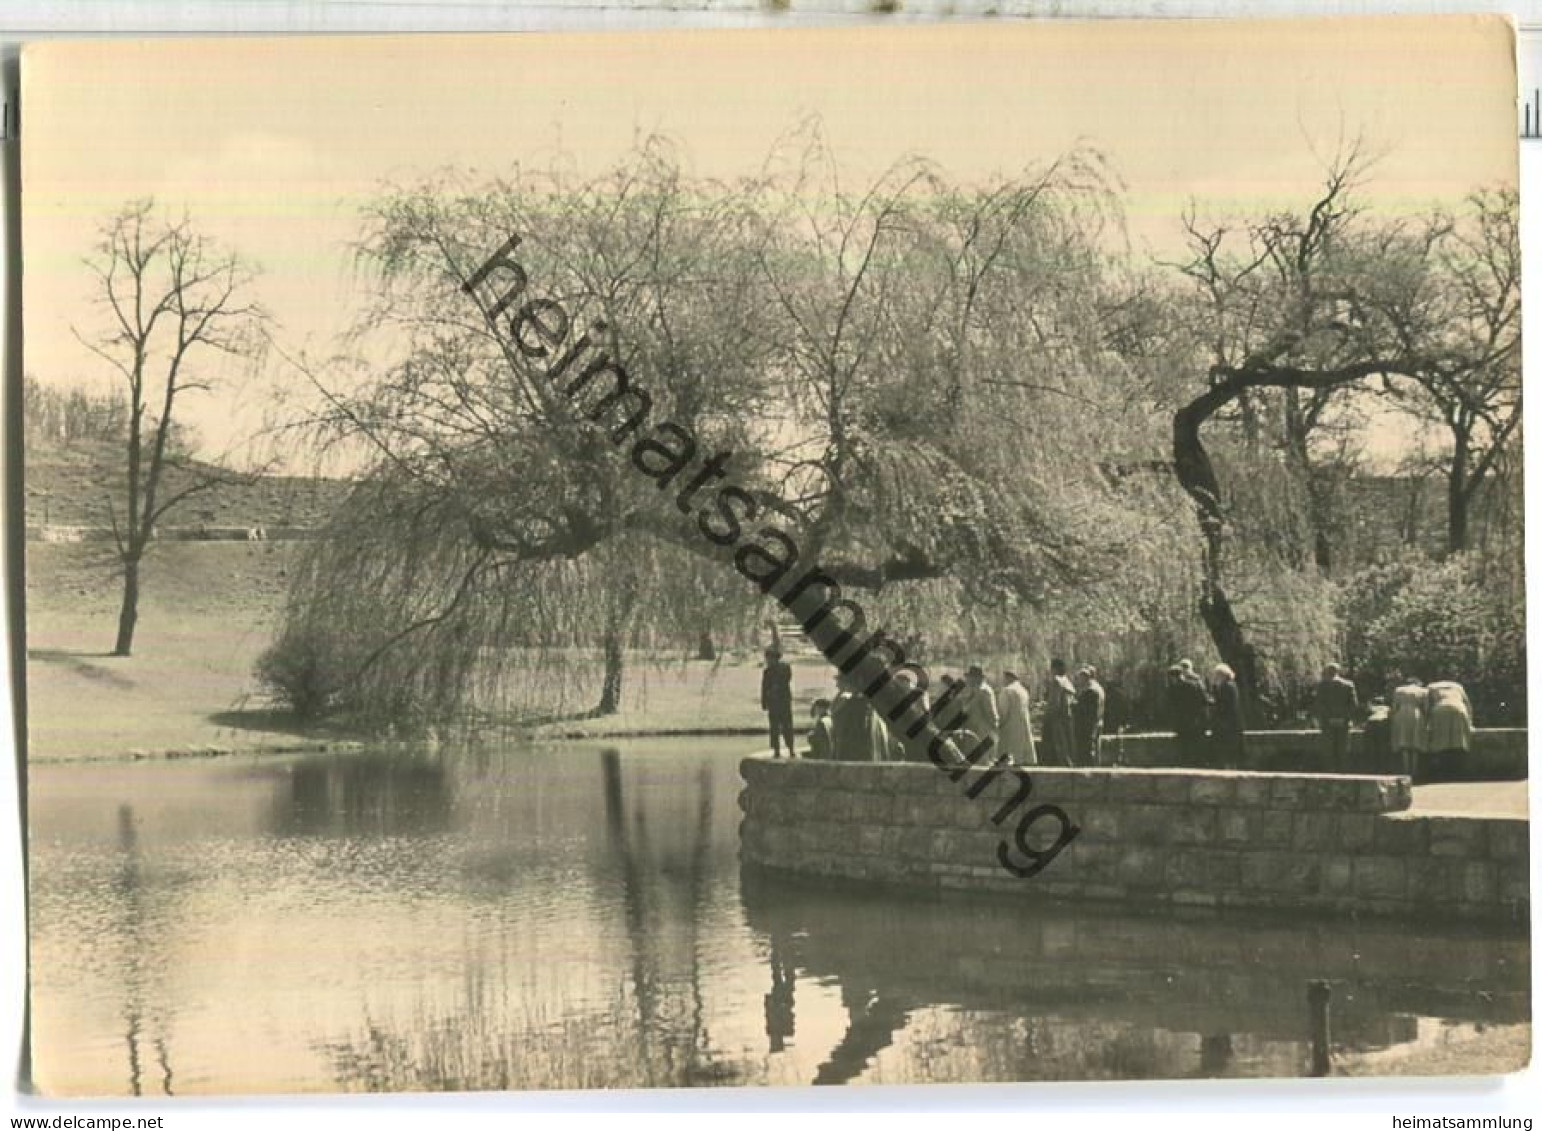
{"points": [[908, 380], [171, 297]]}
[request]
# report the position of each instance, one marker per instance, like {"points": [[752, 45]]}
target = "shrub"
{"points": [[301, 672], [1436, 620]]}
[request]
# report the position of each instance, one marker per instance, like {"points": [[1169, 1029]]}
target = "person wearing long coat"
{"points": [[981, 718], [1188, 705], [1059, 718], [1226, 729], [1450, 718], [1410, 719], [902, 746], [857, 732], [1015, 737], [1088, 718]]}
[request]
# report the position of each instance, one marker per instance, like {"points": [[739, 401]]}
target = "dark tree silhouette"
{"points": [[174, 302], [1315, 303]]}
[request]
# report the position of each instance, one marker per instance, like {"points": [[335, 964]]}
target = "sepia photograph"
{"points": [[976, 551]]}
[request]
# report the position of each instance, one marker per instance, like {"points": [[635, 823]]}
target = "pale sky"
{"points": [[271, 144]]}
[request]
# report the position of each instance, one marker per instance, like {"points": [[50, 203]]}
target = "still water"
{"points": [[575, 917]]}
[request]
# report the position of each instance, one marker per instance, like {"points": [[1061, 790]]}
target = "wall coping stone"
{"points": [[1249, 789]]}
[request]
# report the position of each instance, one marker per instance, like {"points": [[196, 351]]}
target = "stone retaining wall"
{"points": [[1204, 838]]}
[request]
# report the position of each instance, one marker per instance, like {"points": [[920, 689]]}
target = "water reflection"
{"points": [[576, 917], [399, 794], [1077, 992], [652, 1030], [135, 931], [781, 1003], [873, 1019], [671, 1050]]}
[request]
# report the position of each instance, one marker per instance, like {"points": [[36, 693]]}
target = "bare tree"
{"points": [[175, 306], [1471, 386], [1310, 304]]}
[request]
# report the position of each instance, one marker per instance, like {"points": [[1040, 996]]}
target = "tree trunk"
{"points": [[1196, 474], [1298, 443], [705, 649], [618, 625], [1232, 643], [128, 614], [615, 659], [1457, 495]]}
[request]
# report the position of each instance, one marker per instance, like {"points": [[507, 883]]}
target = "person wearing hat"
{"points": [[776, 700], [903, 747], [1090, 698], [1059, 717], [1189, 706], [857, 732], [979, 703]]}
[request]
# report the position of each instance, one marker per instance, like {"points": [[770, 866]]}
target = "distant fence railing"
{"points": [[199, 533]]}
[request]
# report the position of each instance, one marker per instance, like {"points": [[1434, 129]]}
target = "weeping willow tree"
{"points": [[921, 383]]}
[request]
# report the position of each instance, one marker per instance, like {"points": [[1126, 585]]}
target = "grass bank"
{"points": [[207, 612]]}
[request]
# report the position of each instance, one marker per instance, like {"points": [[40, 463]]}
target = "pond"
{"points": [[575, 916]]}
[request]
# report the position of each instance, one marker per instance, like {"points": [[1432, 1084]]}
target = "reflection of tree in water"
{"points": [[654, 1033], [668, 1049], [988, 989], [369, 794], [478, 1046], [141, 935]]}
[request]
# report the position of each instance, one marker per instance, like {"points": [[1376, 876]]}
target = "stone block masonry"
{"points": [[1333, 844]]}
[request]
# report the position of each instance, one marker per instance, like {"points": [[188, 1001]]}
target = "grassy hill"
{"points": [[71, 486], [209, 608], [207, 611]]}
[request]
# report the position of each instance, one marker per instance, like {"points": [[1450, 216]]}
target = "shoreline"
{"points": [[299, 745]]}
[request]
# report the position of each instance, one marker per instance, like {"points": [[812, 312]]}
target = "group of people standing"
{"points": [[1207, 717], [848, 729], [1072, 708]]}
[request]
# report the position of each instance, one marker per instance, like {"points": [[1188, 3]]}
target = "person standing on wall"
{"points": [[776, 700], [1334, 707]]}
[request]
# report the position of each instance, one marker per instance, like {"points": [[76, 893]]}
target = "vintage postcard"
{"points": [[969, 552]]}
